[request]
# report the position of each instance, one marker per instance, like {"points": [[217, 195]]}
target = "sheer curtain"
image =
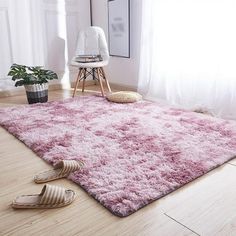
{"points": [[188, 54]]}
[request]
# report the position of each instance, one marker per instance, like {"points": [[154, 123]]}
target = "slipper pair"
{"points": [[51, 196]]}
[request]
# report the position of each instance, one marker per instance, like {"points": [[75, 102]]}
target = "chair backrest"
{"points": [[92, 41]]}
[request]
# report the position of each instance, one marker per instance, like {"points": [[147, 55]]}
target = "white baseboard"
{"points": [[60, 86], [123, 87], [21, 91]]}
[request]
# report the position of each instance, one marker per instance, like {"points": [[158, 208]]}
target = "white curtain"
{"points": [[188, 54]]}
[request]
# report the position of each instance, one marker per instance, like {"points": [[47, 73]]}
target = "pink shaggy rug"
{"points": [[133, 153]]}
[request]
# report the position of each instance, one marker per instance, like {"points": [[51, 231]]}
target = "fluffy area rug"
{"points": [[133, 153]]}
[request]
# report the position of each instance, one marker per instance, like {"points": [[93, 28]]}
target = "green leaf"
{"points": [[19, 83], [24, 75]]}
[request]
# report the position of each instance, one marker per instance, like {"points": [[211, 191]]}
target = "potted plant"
{"points": [[34, 79]]}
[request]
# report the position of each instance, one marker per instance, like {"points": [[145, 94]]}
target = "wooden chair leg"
{"points": [[84, 78], [77, 81], [100, 81], [104, 76]]}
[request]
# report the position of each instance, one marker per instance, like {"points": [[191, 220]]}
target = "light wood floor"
{"points": [[204, 207]]}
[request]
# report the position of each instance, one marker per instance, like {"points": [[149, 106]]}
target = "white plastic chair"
{"points": [[91, 41]]}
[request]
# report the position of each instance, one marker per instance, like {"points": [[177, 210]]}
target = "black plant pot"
{"points": [[37, 93]]}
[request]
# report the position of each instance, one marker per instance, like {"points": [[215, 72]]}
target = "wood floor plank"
{"points": [[233, 161], [207, 205]]}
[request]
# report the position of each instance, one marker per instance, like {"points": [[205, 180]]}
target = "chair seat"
{"points": [[89, 64], [91, 41]]}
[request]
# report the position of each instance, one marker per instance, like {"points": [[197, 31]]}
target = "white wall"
{"points": [[123, 71], [20, 44], [40, 32]]}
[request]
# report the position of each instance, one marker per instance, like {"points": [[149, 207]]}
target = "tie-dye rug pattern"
{"points": [[133, 153]]}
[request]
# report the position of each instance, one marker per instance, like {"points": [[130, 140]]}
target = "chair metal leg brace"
{"points": [[84, 73], [84, 78]]}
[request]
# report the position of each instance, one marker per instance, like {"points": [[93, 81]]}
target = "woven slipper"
{"points": [[51, 196], [61, 169]]}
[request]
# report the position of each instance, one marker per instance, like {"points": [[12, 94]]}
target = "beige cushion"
{"points": [[124, 97]]}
